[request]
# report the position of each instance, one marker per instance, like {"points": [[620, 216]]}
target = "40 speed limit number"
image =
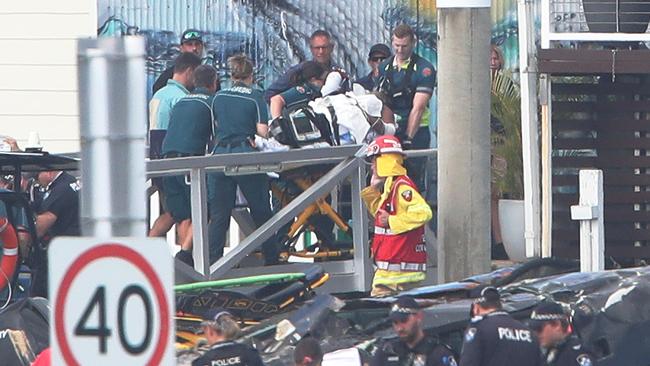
{"points": [[111, 302]]}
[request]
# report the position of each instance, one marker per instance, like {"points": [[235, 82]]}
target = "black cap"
{"points": [[403, 307], [191, 35], [545, 312], [488, 295], [212, 315], [379, 48]]}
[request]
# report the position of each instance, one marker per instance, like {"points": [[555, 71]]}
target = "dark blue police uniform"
{"points": [[417, 75], [569, 352], [190, 129], [428, 352], [497, 339], [237, 112], [229, 353], [62, 199]]}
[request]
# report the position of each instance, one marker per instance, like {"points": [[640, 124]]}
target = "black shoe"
{"points": [[185, 256]]}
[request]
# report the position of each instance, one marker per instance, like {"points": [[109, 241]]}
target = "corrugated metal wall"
{"points": [[275, 32]]}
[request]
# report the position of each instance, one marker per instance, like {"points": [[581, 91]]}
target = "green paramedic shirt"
{"points": [[190, 124], [423, 80], [237, 111], [299, 95]]}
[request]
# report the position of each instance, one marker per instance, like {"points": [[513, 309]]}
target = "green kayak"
{"points": [[242, 281]]}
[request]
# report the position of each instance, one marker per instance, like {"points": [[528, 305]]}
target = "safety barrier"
{"points": [[347, 275]]}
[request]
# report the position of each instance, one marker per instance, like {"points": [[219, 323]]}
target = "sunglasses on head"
{"points": [[377, 58], [190, 35]]}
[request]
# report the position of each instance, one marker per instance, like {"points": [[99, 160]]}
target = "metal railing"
{"points": [[347, 275], [595, 21]]}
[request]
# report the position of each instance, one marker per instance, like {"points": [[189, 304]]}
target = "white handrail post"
{"points": [[590, 212], [529, 128]]}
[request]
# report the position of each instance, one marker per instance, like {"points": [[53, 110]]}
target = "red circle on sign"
{"points": [[131, 256]]}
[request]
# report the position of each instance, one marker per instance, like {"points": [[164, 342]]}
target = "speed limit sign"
{"points": [[111, 302]]}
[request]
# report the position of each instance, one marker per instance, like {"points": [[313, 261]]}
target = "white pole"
{"points": [[112, 103], [591, 213], [546, 24], [529, 129], [547, 165]]}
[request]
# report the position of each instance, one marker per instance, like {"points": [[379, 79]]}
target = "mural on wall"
{"points": [[274, 33]]}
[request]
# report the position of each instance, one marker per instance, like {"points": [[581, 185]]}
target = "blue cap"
{"points": [[403, 307]]}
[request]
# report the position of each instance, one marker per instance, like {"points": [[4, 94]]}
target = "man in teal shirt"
{"points": [[177, 87], [190, 130], [160, 108]]}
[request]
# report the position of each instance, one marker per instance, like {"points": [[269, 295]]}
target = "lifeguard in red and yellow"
{"points": [[400, 213]]}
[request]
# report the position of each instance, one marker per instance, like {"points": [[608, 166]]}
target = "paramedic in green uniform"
{"points": [[240, 112], [305, 87], [408, 81], [189, 132]]}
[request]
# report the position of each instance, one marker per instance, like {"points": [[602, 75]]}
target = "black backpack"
{"points": [[300, 125], [386, 86]]}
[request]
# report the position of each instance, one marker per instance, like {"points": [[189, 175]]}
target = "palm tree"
{"points": [[506, 141]]}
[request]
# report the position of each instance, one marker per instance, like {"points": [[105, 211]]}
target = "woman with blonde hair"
{"points": [[240, 113]]}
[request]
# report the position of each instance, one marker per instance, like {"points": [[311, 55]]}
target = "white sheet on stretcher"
{"points": [[349, 115]]}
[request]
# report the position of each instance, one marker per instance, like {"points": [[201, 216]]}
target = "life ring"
{"points": [[9, 251]]}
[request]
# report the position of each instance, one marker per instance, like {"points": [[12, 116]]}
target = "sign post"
{"points": [[111, 302], [111, 292]]}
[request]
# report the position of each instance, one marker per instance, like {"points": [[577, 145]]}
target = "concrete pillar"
{"points": [[463, 140]]}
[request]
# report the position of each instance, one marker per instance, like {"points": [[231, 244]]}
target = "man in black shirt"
{"points": [[58, 215], [555, 333], [321, 47], [219, 328], [191, 41], [413, 347], [494, 338]]}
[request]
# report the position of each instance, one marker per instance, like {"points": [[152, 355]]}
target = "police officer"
{"points": [[407, 81], [58, 215], [494, 338], [240, 113], [412, 347], [190, 129], [219, 328], [562, 347]]}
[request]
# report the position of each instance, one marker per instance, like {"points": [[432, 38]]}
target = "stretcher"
{"points": [[250, 299], [342, 119]]}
